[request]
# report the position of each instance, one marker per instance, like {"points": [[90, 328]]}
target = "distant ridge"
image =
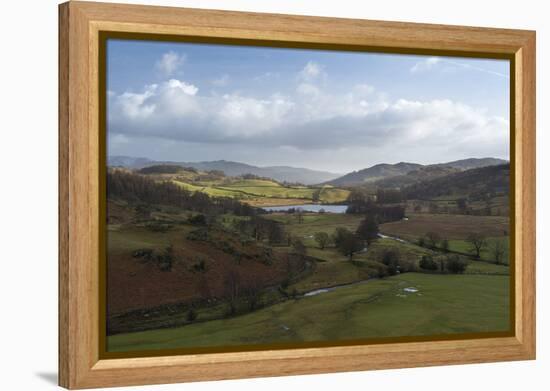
{"points": [[230, 168], [385, 172]]}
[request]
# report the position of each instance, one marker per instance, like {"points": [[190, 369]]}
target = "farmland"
{"points": [[193, 263], [442, 305], [252, 190], [452, 226]]}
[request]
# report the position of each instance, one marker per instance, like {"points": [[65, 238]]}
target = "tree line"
{"points": [[136, 188], [360, 202]]}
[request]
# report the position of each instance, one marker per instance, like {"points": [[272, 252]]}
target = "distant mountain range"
{"points": [[385, 175], [279, 173], [405, 173]]}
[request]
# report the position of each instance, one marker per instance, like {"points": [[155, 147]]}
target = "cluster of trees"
{"points": [[477, 243], [140, 189], [237, 289], [389, 196], [164, 259], [212, 175], [434, 241], [478, 183], [349, 242], [162, 169], [383, 214], [244, 295], [451, 263], [259, 228], [463, 206]]}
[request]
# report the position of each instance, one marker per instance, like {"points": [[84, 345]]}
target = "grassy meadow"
{"points": [[204, 271], [264, 192], [443, 305]]}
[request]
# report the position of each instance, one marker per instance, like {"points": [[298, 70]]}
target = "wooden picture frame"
{"points": [[81, 165]]}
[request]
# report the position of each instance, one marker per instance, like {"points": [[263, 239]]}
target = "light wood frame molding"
{"points": [[80, 23]]}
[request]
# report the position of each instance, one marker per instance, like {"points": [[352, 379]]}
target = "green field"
{"points": [[463, 246], [315, 222], [264, 192], [444, 304]]}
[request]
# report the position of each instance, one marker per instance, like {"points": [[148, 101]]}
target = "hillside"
{"points": [[401, 174], [249, 189], [230, 168], [374, 173], [422, 174], [476, 183], [468, 164]]}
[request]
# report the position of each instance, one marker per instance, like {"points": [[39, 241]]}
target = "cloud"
{"points": [[169, 63], [475, 68], [450, 65], [266, 76], [221, 81], [311, 119], [188, 89], [311, 71], [425, 65]]}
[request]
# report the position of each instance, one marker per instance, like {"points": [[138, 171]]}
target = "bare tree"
{"points": [[300, 215], [477, 242], [251, 292], [349, 243], [432, 239], [322, 238], [445, 245], [232, 287], [499, 251], [299, 247], [368, 229]]}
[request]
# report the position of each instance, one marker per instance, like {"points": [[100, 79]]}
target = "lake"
{"points": [[309, 208]]}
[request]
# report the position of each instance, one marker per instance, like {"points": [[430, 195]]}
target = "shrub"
{"points": [[432, 239], [427, 263], [267, 256], [407, 266], [199, 265], [377, 270], [391, 258], [445, 245], [191, 315], [166, 259], [455, 264], [143, 253], [198, 219], [200, 234], [157, 226], [298, 247]]}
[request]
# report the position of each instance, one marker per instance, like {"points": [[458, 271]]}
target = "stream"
{"points": [[319, 291]]}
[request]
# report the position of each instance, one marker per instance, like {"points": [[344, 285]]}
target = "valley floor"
{"points": [[441, 305]]}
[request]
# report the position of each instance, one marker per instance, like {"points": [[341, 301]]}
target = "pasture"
{"points": [[443, 305], [447, 226], [262, 192], [464, 247]]}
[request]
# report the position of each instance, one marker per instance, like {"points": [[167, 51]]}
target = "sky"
{"points": [[325, 110]]}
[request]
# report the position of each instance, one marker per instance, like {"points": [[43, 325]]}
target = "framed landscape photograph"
{"points": [[249, 195]]}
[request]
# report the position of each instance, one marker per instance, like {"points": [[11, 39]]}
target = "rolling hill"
{"points": [[476, 183], [374, 173], [230, 168], [401, 174]]}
